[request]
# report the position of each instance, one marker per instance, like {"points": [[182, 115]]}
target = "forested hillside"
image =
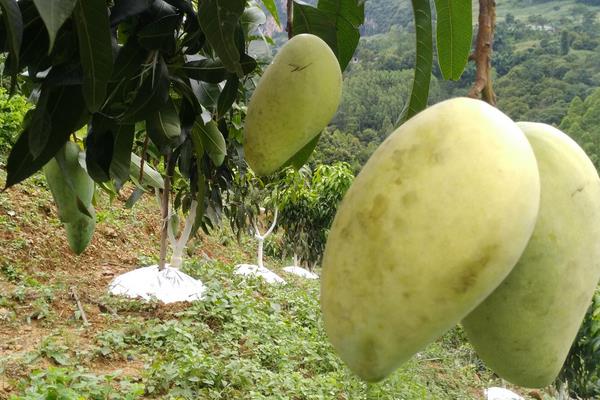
{"points": [[546, 54]]}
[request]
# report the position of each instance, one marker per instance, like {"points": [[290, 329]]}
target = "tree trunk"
{"points": [[260, 252], [170, 166]]}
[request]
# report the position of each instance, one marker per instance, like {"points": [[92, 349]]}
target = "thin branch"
{"points": [[290, 18], [482, 88], [268, 232], [79, 306]]}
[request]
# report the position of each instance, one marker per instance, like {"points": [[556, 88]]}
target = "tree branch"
{"points": [[482, 88], [290, 18]]}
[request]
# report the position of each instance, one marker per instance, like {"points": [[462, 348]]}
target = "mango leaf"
{"points": [[13, 23], [124, 9], [121, 157], [55, 13], [424, 60], [129, 59], [252, 18], [272, 8], [151, 96], [160, 34], [302, 156], [211, 71], [183, 5], [454, 33], [41, 123], [227, 96], [218, 20], [21, 164], [212, 139], [337, 22], [95, 49], [99, 146], [163, 126]]}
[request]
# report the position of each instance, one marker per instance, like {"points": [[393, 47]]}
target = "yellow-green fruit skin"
{"points": [[294, 100], [524, 330], [433, 223]]}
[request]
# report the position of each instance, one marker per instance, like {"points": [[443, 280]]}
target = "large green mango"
{"points": [[72, 190], [524, 330], [294, 100], [433, 223]]}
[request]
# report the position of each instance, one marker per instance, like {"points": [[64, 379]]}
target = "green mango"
{"points": [[433, 223], [72, 190], [294, 100], [524, 330]]}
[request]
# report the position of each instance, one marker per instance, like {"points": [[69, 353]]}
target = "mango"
{"points": [[72, 190], [434, 222], [524, 329], [294, 100]]}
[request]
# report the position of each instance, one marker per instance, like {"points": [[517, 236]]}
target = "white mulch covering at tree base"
{"points": [[169, 285], [302, 272], [498, 393], [255, 270]]}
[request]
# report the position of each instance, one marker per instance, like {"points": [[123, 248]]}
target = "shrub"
{"points": [[12, 111]]}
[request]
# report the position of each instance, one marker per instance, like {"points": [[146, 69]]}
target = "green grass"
{"points": [[246, 340]]}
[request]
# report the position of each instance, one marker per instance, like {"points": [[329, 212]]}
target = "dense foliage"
{"points": [[12, 111]]}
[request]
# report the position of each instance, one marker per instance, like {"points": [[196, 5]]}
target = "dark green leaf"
{"points": [[248, 64], [183, 5], [163, 126], [211, 71], [160, 34], [13, 23], [212, 139], [454, 30], [227, 96], [207, 94], [151, 96], [424, 60], [302, 156], [99, 145], [337, 22], [95, 49], [21, 163], [40, 123], [55, 13], [124, 9], [121, 158], [218, 20], [129, 60], [272, 8]]}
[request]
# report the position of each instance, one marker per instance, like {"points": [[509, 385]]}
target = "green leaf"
{"points": [[151, 177], [212, 139], [151, 96], [454, 33], [337, 22], [99, 146], [227, 96], [129, 60], [163, 126], [211, 71], [302, 156], [21, 164], [160, 34], [272, 8], [218, 20], [13, 23], [424, 60], [95, 49], [54, 13], [252, 18], [121, 157]]}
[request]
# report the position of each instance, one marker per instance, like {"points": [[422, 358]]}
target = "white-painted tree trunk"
{"points": [[261, 238], [178, 244]]}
